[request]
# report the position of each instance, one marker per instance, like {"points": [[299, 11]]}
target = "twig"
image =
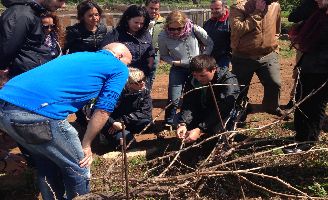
{"points": [[273, 192], [175, 158], [126, 165]]}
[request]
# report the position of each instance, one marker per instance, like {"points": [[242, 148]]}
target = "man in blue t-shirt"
{"points": [[34, 107]]}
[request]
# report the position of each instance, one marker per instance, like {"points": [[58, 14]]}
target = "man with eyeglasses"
{"points": [[218, 28], [155, 27], [22, 38]]}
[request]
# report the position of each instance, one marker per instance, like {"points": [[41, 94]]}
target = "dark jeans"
{"points": [[309, 115], [267, 69]]}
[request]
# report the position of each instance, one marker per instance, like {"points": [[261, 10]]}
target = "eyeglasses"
{"points": [[176, 29], [139, 82], [50, 26]]}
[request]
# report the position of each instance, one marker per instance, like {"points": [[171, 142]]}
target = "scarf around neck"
{"points": [[222, 18]]}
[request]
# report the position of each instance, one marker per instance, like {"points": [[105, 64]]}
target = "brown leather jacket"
{"points": [[253, 33]]}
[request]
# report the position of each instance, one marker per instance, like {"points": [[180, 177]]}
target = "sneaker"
{"points": [[297, 149]]}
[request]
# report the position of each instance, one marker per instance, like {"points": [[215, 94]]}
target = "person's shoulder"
{"points": [[207, 22], [163, 34], [102, 28], [74, 28], [161, 20], [146, 36]]}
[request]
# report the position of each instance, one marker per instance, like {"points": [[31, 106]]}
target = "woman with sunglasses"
{"points": [[132, 30], [134, 108], [89, 32], [178, 44], [50, 26]]}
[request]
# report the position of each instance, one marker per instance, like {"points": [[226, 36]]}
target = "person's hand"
{"points": [[181, 131], [87, 160], [192, 135], [117, 126], [260, 5]]}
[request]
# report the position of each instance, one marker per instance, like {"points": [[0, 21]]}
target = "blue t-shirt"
{"points": [[64, 85]]}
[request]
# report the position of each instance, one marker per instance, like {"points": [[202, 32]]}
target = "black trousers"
{"points": [[310, 114]]}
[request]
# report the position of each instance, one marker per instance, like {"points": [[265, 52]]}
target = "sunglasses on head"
{"points": [[50, 26], [176, 29]]}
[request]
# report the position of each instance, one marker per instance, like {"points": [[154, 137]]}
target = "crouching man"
{"points": [[134, 109], [198, 112], [34, 107]]}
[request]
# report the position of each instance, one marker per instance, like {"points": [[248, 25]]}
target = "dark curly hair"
{"points": [[58, 29], [86, 5], [131, 12]]}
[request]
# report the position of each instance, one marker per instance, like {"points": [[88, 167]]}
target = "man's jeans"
{"points": [[177, 78], [55, 149], [267, 69]]}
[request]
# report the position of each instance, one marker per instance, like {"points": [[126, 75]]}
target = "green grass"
{"points": [[163, 68], [318, 190], [135, 161], [285, 50]]}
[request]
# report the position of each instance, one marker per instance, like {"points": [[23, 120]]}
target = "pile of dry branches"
{"points": [[241, 164]]}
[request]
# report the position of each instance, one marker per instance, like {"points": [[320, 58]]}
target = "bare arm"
{"points": [[96, 123]]}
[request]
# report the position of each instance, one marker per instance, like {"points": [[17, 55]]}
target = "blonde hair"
{"points": [[135, 75], [176, 16]]}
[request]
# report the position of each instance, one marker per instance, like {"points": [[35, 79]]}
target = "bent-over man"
{"points": [[34, 107]]}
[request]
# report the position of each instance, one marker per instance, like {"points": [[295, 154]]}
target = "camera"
{"points": [[268, 2]]}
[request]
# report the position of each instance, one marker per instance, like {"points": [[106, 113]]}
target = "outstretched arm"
{"points": [[96, 123]]}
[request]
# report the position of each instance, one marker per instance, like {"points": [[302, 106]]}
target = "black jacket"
{"points": [[79, 39], [316, 60], [220, 34], [198, 108], [135, 109], [21, 37], [140, 47]]}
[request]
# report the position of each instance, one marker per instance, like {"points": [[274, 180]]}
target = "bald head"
{"points": [[120, 51]]}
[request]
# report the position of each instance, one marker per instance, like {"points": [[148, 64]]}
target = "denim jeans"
{"points": [[151, 76], [177, 78], [55, 149]]}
